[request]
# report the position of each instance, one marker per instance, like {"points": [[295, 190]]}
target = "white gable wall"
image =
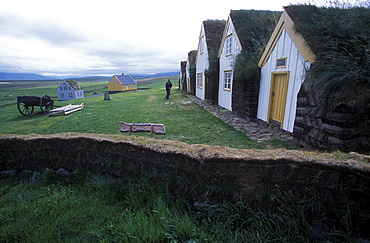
{"points": [[227, 62], [67, 92], [295, 65], [201, 65]]}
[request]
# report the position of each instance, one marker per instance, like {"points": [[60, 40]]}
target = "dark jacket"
{"points": [[168, 85]]}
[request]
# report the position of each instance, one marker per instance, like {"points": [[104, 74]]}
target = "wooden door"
{"points": [[279, 87]]}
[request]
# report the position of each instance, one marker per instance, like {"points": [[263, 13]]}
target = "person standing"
{"points": [[168, 89]]}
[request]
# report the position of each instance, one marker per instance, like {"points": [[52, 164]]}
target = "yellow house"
{"points": [[121, 83]]}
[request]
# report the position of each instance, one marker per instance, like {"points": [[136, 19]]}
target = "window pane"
{"points": [[200, 80], [227, 80], [228, 45], [281, 62]]}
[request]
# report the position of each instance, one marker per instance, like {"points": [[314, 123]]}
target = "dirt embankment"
{"points": [[336, 185]]}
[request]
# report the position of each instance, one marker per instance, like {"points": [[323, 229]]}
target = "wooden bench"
{"points": [[142, 127]]}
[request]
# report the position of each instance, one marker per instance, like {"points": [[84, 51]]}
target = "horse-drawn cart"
{"points": [[26, 104]]}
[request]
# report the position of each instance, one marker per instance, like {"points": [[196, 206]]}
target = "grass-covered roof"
{"points": [[340, 39], [192, 55], [213, 31], [254, 27], [74, 84]]}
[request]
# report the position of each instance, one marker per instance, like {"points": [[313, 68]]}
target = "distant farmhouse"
{"points": [[69, 90], [119, 83]]}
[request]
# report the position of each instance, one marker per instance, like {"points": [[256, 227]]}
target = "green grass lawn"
{"points": [[184, 120], [95, 208]]}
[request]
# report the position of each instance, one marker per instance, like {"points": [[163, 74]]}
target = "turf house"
{"points": [[190, 71], [207, 66], [69, 90], [245, 35], [122, 82], [182, 76], [315, 77]]}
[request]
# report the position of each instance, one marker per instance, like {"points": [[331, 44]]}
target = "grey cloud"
{"points": [[47, 30], [104, 55]]}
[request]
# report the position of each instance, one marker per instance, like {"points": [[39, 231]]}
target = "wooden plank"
{"points": [[65, 110], [142, 127], [80, 107]]}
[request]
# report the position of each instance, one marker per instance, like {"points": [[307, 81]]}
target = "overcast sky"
{"points": [[85, 38]]}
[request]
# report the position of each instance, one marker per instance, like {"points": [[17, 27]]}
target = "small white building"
{"points": [[69, 90], [201, 65], [229, 50], [245, 35], [206, 65], [283, 64]]}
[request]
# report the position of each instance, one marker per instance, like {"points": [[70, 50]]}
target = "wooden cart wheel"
{"points": [[25, 109], [46, 104]]}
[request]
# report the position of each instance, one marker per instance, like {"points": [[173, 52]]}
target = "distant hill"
{"points": [[31, 76], [142, 76], [22, 76], [134, 76]]}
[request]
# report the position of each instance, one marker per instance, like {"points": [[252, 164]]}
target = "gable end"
{"points": [[285, 22]]}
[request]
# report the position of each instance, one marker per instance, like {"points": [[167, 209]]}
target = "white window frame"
{"points": [[227, 80], [229, 44], [201, 45], [200, 80]]}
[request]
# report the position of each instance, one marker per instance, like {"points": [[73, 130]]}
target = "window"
{"points": [[200, 80], [281, 62], [61, 88], [201, 48], [61, 95], [65, 87], [227, 80], [70, 95], [229, 41]]}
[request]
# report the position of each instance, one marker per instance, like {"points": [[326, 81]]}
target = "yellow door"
{"points": [[279, 87]]}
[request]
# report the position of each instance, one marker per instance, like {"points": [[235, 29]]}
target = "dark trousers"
{"points": [[168, 93]]}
